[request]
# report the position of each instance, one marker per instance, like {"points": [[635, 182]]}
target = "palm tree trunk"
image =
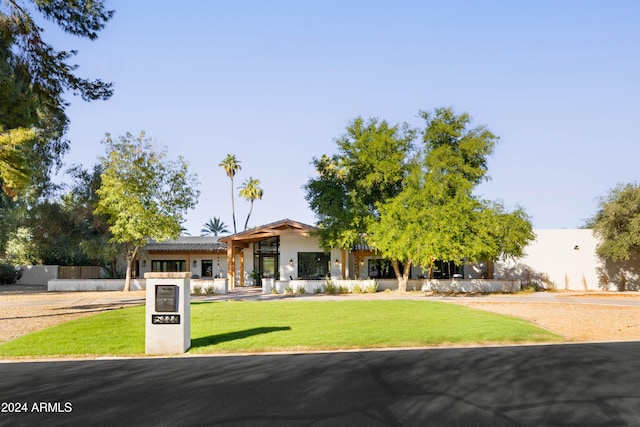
{"points": [[246, 223], [233, 209]]}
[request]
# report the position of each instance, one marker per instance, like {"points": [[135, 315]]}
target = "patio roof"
{"points": [[278, 228]]}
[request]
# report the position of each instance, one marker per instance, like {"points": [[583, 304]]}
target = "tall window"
{"points": [[169, 266], [382, 269], [313, 265], [446, 270], [207, 268]]}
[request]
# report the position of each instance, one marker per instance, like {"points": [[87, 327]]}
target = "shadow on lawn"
{"points": [[238, 335]]}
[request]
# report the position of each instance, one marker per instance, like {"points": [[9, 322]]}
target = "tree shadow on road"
{"points": [[237, 335]]}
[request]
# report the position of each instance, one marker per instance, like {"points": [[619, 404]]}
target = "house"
{"points": [[285, 252], [204, 257]]}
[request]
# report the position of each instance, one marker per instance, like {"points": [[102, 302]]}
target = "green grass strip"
{"points": [[249, 326]]}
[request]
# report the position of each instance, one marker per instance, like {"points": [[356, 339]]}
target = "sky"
{"points": [[276, 82]]}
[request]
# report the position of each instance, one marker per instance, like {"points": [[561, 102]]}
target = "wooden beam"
{"points": [[241, 268], [231, 267]]}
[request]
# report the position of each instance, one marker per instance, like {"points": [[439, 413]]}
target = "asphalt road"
{"points": [[579, 384]]}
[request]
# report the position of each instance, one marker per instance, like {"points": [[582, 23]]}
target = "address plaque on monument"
{"points": [[165, 319]]}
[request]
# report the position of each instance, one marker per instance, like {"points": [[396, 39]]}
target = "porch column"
{"points": [[231, 266], [344, 264], [242, 268]]}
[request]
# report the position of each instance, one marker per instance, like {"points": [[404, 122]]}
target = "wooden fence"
{"points": [[78, 272]]}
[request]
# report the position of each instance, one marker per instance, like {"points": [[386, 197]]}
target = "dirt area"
{"points": [[23, 311], [574, 322]]}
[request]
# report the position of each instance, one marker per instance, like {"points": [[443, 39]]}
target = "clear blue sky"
{"points": [[274, 82]]}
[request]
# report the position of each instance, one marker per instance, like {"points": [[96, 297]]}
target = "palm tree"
{"points": [[214, 226], [251, 192], [231, 165]]}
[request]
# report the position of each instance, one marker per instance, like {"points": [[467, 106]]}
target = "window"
{"points": [[313, 265], [446, 270], [207, 268], [382, 269], [169, 266]]}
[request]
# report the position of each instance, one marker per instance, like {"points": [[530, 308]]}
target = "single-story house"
{"points": [[204, 257], [286, 250]]}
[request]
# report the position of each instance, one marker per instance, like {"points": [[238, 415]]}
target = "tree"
{"points": [[144, 195], [416, 206], [214, 226], [65, 230], [83, 199], [14, 173], [437, 216], [231, 166], [368, 170], [251, 191], [617, 223], [36, 78]]}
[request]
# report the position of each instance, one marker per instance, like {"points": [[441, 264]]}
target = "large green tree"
{"points": [[144, 195], [65, 230], [437, 216], [368, 170], [35, 83], [35, 79], [424, 207]]}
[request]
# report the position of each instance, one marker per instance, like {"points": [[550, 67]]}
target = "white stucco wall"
{"points": [[564, 257], [291, 245], [219, 262], [94, 285], [38, 274]]}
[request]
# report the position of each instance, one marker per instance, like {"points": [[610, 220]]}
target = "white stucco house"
{"points": [[285, 252]]}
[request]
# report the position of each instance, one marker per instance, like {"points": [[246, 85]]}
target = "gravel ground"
{"points": [[574, 322], [27, 309]]}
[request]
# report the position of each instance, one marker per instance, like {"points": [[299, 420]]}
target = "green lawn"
{"points": [[243, 326]]}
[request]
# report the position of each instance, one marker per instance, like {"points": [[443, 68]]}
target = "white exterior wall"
{"points": [[38, 274], [94, 285], [564, 257], [219, 263], [291, 245]]}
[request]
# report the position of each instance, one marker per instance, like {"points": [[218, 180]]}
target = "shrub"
{"points": [[528, 288], [210, 290], [329, 287], [357, 289], [372, 287], [9, 274], [288, 290], [301, 290], [340, 289], [197, 289]]}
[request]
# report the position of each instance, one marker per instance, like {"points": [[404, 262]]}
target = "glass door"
{"points": [[267, 266]]}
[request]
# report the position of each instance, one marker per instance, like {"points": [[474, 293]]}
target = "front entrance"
{"points": [[266, 255]]}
